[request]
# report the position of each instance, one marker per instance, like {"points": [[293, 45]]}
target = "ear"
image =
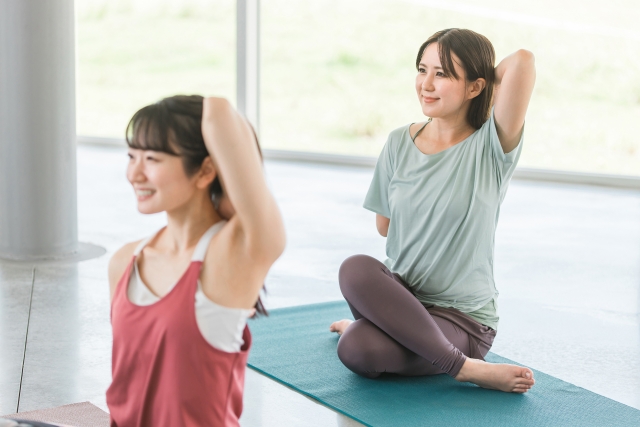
{"points": [[206, 174], [475, 88]]}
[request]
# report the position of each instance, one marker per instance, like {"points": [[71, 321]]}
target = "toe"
{"points": [[527, 373], [524, 382]]}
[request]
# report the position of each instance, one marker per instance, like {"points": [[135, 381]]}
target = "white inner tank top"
{"points": [[221, 327]]}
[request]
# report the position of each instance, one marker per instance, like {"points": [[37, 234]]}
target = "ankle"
{"points": [[465, 374], [462, 376]]}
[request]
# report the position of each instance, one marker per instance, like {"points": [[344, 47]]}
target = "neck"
{"points": [[186, 224], [451, 129]]}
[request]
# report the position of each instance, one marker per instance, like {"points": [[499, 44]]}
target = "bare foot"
{"points": [[496, 376], [340, 326]]}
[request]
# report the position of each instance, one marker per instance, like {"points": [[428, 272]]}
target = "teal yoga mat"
{"points": [[294, 346]]}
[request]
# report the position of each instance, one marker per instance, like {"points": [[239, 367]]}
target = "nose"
{"points": [[135, 171], [427, 83]]}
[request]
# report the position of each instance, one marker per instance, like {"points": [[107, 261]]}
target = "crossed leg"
{"points": [[393, 332], [391, 324], [368, 351]]}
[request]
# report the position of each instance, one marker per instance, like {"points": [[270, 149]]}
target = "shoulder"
{"points": [[488, 139], [233, 271], [396, 138], [119, 262], [123, 255], [397, 135], [487, 132], [234, 243], [490, 123]]}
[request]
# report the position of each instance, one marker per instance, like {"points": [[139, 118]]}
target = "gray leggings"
{"points": [[395, 333]]}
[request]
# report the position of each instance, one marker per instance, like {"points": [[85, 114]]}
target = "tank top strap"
{"points": [[202, 246], [144, 243], [413, 138]]}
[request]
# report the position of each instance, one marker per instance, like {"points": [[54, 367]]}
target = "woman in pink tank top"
{"points": [[183, 151]]}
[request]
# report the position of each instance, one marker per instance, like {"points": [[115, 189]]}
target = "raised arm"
{"points": [[515, 77], [231, 143]]}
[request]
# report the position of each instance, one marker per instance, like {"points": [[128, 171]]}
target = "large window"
{"points": [[134, 52], [338, 75]]}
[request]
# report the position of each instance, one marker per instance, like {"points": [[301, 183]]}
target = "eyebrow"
{"points": [[423, 65]]}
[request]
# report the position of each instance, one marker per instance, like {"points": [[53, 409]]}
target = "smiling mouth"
{"points": [[429, 100], [144, 194]]}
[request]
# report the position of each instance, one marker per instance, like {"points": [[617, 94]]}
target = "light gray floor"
{"points": [[567, 266]]}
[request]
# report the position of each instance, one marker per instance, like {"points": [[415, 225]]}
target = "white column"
{"points": [[38, 206], [248, 60]]}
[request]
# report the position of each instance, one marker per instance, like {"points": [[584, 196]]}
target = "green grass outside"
{"points": [[338, 75]]}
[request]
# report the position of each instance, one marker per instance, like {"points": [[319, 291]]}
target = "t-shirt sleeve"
{"points": [[505, 163], [377, 199]]}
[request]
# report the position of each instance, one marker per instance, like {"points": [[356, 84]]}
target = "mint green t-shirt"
{"points": [[443, 211]]}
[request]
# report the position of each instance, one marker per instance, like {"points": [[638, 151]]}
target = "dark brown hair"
{"points": [[477, 59], [173, 125]]}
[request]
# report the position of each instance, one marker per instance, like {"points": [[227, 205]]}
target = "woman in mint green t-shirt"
{"points": [[437, 188]]}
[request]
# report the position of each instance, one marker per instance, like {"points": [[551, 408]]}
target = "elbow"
{"points": [[383, 229], [215, 107], [382, 224], [526, 57], [524, 66]]}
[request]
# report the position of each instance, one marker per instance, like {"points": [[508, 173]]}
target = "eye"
{"points": [[151, 158], [421, 70], [440, 74]]}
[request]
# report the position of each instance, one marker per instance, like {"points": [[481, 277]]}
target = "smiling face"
{"points": [[442, 95], [160, 182]]}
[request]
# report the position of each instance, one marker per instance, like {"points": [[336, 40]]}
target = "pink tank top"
{"points": [[164, 372]]}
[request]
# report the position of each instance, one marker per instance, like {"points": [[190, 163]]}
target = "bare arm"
{"points": [[382, 224], [515, 78], [231, 144], [118, 265]]}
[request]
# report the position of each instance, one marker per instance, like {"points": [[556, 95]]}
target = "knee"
{"points": [[356, 354], [353, 271]]}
